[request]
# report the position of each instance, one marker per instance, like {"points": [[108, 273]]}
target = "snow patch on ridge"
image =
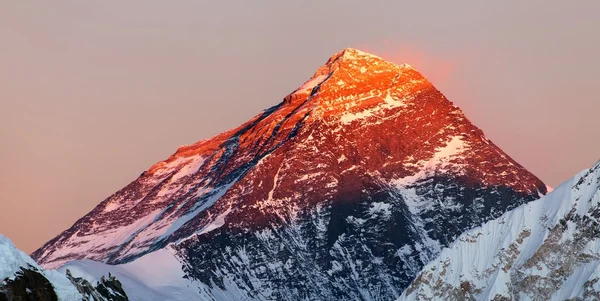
{"points": [[133, 238], [215, 195], [384, 208], [440, 161], [352, 54], [191, 167], [112, 239], [217, 223], [388, 103], [177, 169], [313, 82]]}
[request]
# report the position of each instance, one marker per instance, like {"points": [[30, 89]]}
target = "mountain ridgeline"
{"points": [[343, 191], [548, 249]]}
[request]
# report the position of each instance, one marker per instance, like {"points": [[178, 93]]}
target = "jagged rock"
{"points": [[28, 285], [105, 290]]}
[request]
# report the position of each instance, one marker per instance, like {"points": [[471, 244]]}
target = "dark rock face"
{"points": [[105, 290], [28, 285], [342, 250], [112, 291], [342, 191]]}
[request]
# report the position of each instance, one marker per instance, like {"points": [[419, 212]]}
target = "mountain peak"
{"points": [[357, 55], [351, 59], [353, 54], [352, 65], [367, 161], [352, 78]]}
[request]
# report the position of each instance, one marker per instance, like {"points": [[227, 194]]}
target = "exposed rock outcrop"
{"points": [[105, 290], [28, 284]]}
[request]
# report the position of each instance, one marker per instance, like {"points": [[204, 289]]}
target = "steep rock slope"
{"points": [[343, 190], [548, 249]]}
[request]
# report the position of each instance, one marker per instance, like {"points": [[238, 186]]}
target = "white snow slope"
{"points": [[13, 259], [157, 276], [548, 249]]}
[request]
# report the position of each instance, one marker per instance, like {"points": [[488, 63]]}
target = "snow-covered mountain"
{"points": [[548, 249], [344, 190], [22, 279], [20, 276]]}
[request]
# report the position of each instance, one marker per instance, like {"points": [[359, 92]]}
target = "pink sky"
{"points": [[95, 93]]}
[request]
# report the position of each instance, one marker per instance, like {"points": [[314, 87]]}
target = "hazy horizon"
{"points": [[95, 93]]}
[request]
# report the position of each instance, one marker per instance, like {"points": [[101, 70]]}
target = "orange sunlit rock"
{"points": [[360, 127]]}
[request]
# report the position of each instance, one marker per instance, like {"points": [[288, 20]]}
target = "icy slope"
{"points": [[12, 259], [13, 262], [548, 249]]}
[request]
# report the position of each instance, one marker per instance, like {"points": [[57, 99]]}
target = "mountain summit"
{"points": [[344, 190]]}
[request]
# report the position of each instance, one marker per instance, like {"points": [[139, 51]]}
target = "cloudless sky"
{"points": [[92, 93]]}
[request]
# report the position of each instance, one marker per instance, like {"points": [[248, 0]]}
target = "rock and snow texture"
{"points": [[14, 263], [548, 249], [344, 190], [155, 276]]}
